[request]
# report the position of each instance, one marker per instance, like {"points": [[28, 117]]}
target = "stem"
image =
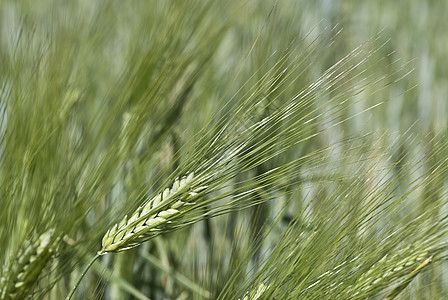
{"points": [[81, 276]]}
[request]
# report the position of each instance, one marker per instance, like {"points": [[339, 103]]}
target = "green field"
{"points": [[251, 149]]}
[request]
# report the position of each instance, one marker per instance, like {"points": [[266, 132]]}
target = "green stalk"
{"points": [[70, 295]]}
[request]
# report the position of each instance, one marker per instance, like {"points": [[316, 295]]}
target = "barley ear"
{"points": [[399, 288], [21, 274], [151, 217], [408, 263]]}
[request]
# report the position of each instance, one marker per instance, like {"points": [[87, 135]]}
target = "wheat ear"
{"points": [[149, 218], [409, 263], [399, 288], [20, 276]]}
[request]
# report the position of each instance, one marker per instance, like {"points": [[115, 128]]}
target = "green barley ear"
{"points": [[406, 263], [149, 218], [21, 274]]}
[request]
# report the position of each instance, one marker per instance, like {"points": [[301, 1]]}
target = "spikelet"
{"points": [[393, 267], [150, 218], [21, 274]]}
